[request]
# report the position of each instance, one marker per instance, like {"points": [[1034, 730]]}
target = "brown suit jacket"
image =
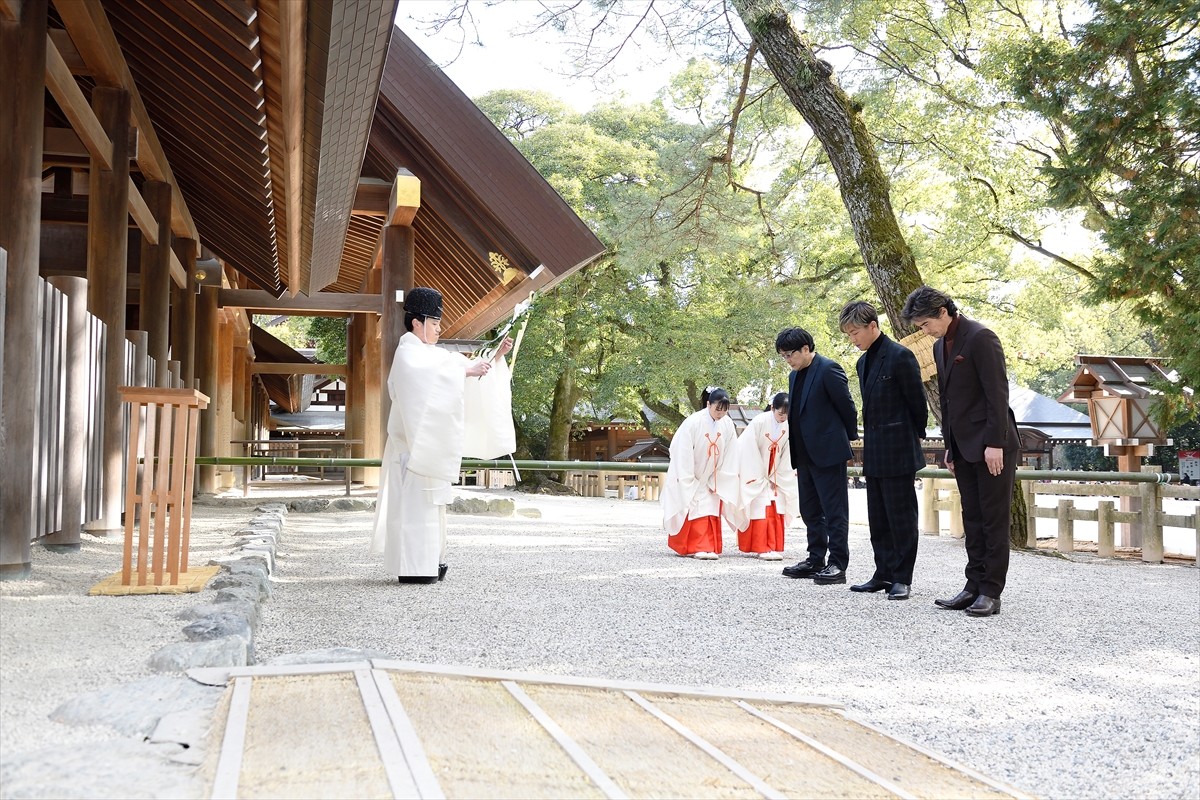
{"points": [[974, 392]]}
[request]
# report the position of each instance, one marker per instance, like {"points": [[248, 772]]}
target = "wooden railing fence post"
{"points": [[956, 523], [1152, 529], [1105, 529], [1030, 513], [929, 513], [1066, 534]]}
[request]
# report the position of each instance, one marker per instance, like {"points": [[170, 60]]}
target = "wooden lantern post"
{"points": [[1119, 394]]}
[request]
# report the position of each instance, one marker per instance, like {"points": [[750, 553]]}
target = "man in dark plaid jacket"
{"points": [[894, 416]]}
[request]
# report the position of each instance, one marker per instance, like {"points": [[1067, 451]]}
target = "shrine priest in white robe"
{"points": [[426, 443]]}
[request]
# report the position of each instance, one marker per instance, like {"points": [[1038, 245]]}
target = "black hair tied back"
{"points": [[715, 396]]}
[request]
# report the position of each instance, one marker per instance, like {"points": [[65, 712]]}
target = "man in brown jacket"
{"points": [[982, 445]]}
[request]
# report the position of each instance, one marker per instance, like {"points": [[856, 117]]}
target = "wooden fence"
{"points": [[619, 485], [941, 495]]}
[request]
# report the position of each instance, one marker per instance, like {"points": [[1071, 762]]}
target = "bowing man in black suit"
{"points": [[894, 417], [982, 444], [821, 423]]}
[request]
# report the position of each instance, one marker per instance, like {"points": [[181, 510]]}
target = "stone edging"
{"points": [[221, 633]]}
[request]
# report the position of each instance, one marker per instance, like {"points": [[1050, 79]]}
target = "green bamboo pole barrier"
{"points": [[618, 466]]}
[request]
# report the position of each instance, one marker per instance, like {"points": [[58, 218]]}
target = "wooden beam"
{"points": [[66, 48], [371, 197], [320, 304], [405, 198], [65, 143], [10, 10], [93, 36], [69, 97], [296, 368]]}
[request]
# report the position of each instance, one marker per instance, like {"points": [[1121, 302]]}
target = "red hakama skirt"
{"points": [[700, 535], [764, 535]]}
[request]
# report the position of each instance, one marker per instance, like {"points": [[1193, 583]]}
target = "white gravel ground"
{"points": [[1087, 685]]}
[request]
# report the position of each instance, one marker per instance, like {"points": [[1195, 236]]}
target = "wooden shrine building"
{"points": [[171, 168]]}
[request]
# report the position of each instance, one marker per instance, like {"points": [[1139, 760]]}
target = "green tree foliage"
{"points": [[681, 301], [1039, 118], [1124, 90], [718, 196], [292, 331], [329, 337]]}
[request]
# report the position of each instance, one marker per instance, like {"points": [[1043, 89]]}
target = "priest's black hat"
{"points": [[423, 302]]}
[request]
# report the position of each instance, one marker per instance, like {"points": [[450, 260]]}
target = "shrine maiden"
{"points": [[425, 440], [768, 498], [699, 488]]}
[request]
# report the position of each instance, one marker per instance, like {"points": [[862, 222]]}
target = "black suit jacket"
{"points": [[823, 413], [974, 388], [894, 411]]}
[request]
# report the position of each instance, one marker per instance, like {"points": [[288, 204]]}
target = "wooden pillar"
{"points": [[239, 381], [1129, 459], [375, 400], [354, 394], [75, 416], [154, 298], [223, 399], [22, 93], [108, 249], [396, 275], [141, 349], [183, 314], [1150, 495], [206, 373]]}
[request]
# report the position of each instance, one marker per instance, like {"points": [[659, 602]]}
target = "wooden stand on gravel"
{"points": [[158, 490]]}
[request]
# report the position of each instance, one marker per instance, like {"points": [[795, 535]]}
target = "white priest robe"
{"points": [[699, 479], [763, 462], [425, 444]]}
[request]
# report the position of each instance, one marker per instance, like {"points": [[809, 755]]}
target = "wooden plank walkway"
{"points": [[404, 730]]}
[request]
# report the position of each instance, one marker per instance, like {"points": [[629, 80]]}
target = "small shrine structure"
{"points": [[1120, 393]]}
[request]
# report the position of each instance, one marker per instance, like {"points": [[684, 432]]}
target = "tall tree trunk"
{"points": [[838, 125], [835, 119], [566, 396]]}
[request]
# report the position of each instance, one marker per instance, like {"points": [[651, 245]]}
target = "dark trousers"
{"points": [[986, 512], [892, 514], [825, 509]]}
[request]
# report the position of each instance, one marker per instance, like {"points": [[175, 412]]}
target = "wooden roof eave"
{"points": [[347, 45]]}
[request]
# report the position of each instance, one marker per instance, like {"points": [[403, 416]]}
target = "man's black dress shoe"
{"points": [[984, 606], [873, 585], [958, 602], [831, 574], [899, 591], [442, 571], [804, 569], [417, 578]]}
